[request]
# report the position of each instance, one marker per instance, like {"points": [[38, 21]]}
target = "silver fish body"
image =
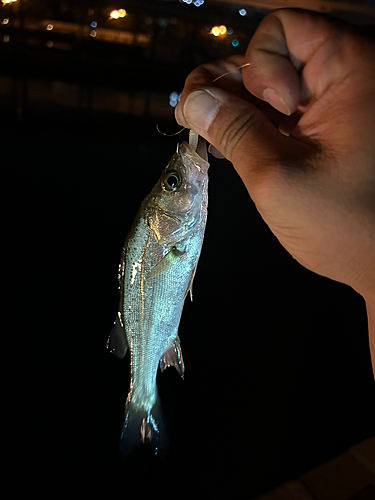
{"points": [[157, 268]]}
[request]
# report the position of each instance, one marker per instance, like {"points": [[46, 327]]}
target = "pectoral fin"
{"points": [[168, 261], [173, 357], [117, 343]]}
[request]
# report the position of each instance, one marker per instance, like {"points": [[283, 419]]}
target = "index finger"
{"points": [[290, 57], [227, 75]]}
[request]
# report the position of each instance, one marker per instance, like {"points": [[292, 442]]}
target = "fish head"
{"points": [[181, 192], [183, 182]]}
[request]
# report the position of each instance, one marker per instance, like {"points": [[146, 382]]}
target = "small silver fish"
{"points": [[156, 272]]}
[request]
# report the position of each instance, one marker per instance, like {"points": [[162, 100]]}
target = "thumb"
{"points": [[235, 127]]}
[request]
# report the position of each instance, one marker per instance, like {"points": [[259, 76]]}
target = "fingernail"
{"points": [[276, 100], [215, 152], [200, 109]]}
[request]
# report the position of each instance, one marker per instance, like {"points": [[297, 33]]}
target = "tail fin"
{"points": [[142, 427]]}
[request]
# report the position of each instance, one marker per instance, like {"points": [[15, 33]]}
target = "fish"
{"points": [[156, 272]]}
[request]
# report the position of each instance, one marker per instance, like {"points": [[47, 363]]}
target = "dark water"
{"points": [[278, 373]]}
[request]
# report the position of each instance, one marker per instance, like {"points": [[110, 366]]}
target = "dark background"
{"points": [[278, 373]]}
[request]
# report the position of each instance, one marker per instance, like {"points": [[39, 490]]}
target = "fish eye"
{"points": [[171, 181]]}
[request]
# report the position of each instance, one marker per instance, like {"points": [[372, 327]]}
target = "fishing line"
{"points": [[169, 135], [228, 72]]}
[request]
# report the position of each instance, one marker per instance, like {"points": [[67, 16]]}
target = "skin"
{"points": [[306, 149]]}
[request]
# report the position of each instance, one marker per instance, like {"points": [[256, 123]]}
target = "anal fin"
{"points": [[173, 357]]}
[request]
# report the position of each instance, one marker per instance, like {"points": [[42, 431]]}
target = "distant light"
{"points": [[174, 97], [5, 20], [230, 31], [93, 33], [222, 30], [163, 22], [94, 24], [116, 14], [215, 31], [198, 3], [148, 20], [188, 1], [49, 27], [235, 43], [6, 38], [4, 2], [49, 44], [242, 12]]}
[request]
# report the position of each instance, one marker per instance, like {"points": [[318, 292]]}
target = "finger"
{"points": [[230, 71], [284, 44], [215, 152], [224, 73], [241, 132]]}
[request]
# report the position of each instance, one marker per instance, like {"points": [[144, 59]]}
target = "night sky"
{"points": [[278, 374]]}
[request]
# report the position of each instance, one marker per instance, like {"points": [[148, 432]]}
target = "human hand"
{"points": [[316, 187]]}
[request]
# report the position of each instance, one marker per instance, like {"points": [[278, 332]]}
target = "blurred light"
{"points": [[219, 30], [4, 2], [242, 12], [49, 44], [235, 43], [114, 14], [6, 38], [163, 22], [174, 97], [188, 1], [93, 33], [173, 20], [94, 24], [5, 20], [198, 3], [230, 31], [122, 12], [148, 21], [49, 27]]}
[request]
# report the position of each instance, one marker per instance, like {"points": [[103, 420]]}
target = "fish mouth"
{"points": [[202, 148], [192, 159]]}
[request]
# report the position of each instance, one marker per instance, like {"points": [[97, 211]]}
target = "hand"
{"points": [[315, 188]]}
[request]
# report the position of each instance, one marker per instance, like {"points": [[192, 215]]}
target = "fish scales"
{"points": [[157, 268]]}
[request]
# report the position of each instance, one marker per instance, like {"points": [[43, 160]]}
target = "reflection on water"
{"points": [[124, 61]]}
